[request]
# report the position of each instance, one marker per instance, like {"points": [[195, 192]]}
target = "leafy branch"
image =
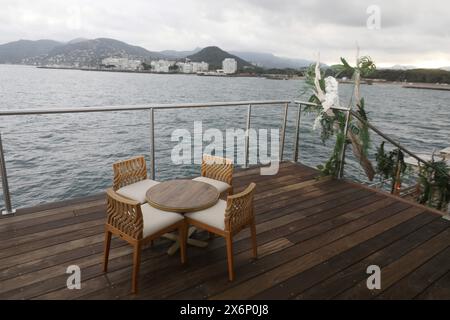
{"points": [[434, 185]]}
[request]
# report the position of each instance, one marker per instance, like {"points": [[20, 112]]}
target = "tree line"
{"points": [[412, 75]]}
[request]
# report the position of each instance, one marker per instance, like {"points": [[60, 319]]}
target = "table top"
{"points": [[182, 196]]}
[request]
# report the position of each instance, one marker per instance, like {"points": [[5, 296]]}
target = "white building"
{"points": [[184, 67], [200, 67], [162, 66], [229, 66], [192, 67], [122, 63]]}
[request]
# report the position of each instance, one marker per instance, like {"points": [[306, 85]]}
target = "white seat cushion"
{"points": [[155, 220], [136, 191], [213, 216], [219, 185]]}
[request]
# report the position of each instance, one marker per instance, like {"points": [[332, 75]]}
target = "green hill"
{"points": [[214, 56]]}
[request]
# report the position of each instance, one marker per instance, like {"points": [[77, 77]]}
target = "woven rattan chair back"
{"points": [[217, 168], [125, 215], [239, 212], [129, 171]]}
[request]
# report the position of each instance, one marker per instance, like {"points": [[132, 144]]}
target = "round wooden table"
{"points": [[182, 196]]}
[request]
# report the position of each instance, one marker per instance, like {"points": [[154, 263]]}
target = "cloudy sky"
{"points": [[413, 32]]}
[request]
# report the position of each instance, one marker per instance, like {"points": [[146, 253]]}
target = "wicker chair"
{"points": [[138, 225], [226, 219], [130, 179], [217, 172]]}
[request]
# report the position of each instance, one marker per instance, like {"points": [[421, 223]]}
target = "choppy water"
{"points": [[58, 157]]}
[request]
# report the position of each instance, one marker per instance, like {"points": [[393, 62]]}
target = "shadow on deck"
{"points": [[316, 240]]}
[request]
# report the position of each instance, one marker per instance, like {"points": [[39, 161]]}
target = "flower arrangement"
{"points": [[332, 119]]}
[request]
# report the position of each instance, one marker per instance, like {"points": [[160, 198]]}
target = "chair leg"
{"points": [[183, 234], [229, 240], [106, 251], [254, 244], [136, 265]]}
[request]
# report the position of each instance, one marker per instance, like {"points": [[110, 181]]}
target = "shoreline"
{"points": [[202, 74], [152, 72], [427, 86], [406, 85]]}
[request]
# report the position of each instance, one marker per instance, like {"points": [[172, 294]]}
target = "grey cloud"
{"points": [[410, 30]]}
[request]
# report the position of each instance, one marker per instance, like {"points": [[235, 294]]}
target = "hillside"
{"points": [[18, 51], [78, 52], [91, 52], [214, 56]]}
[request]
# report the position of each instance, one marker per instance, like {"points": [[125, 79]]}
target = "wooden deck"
{"points": [[315, 238]]}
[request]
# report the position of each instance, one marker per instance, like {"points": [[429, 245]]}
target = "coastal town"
{"points": [[229, 66]]}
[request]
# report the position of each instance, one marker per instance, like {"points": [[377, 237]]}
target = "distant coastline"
{"points": [[427, 86], [203, 74]]}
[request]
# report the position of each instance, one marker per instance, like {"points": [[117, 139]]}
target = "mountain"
{"points": [[17, 51], [268, 60], [78, 52], [445, 68], [91, 52], [173, 54], [214, 56]]}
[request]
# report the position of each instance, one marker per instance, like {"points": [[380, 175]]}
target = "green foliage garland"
{"points": [[434, 182]]}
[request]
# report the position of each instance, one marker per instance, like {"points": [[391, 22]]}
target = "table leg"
{"points": [[193, 242]]}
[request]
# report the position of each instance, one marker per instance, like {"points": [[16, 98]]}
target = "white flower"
{"points": [[317, 121], [331, 94]]}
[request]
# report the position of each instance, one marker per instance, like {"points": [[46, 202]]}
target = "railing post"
{"points": [[297, 132], [247, 135], [283, 131], [7, 198], [152, 144], [396, 178], [342, 155]]}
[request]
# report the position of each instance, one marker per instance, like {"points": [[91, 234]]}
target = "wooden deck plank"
{"points": [[20, 240], [417, 281], [293, 267], [293, 286], [315, 238], [345, 279], [401, 267], [52, 224], [439, 290], [46, 283]]}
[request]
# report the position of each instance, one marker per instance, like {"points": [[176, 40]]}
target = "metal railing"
{"points": [[395, 143], [249, 104], [5, 186], [151, 108], [350, 112]]}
